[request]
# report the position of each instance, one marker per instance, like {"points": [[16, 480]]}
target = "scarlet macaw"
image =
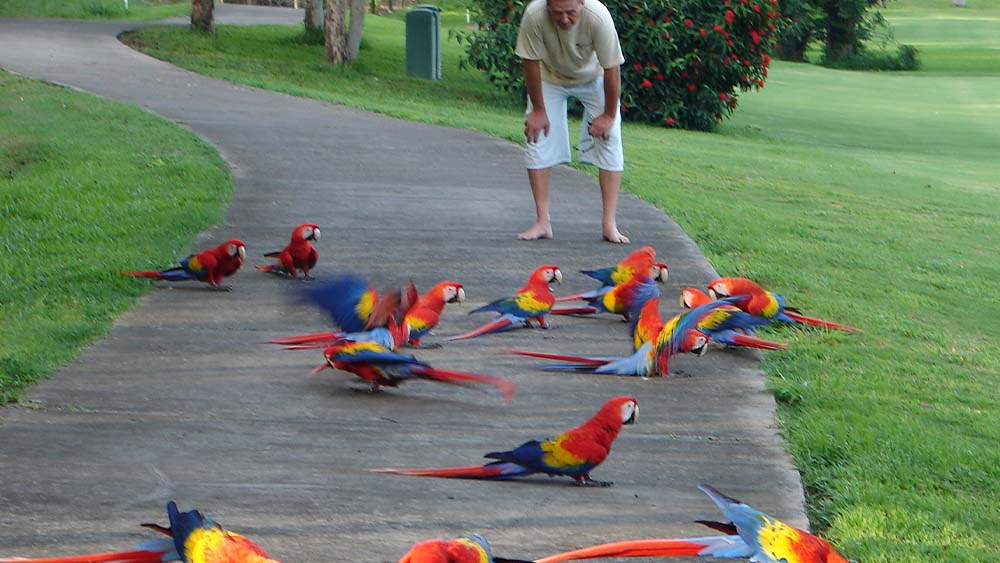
{"points": [[756, 300], [471, 548], [751, 534], [425, 314], [209, 266], [193, 538], [652, 347], [728, 325], [382, 367], [298, 255], [640, 264], [360, 313], [574, 453], [531, 303]]}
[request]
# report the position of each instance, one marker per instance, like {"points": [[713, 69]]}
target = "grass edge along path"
{"points": [[88, 188]]}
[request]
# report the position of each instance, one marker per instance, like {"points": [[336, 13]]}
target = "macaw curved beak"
{"points": [[459, 296]]}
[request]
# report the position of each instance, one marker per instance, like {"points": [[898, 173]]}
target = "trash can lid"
{"points": [[427, 7]]}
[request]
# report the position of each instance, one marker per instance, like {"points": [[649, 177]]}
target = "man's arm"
{"points": [[536, 122], [601, 124]]}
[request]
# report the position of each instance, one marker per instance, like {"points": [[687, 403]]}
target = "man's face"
{"points": [[564, 13]]}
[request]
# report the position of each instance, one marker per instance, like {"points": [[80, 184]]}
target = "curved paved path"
{"points": [[180, 401]]}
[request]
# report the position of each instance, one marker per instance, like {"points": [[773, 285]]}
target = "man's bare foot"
{"points": [[616, 237], [536, 232]]}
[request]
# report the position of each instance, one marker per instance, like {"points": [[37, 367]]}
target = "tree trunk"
{"points": [[356, 26], [841, 39], [202, 18], [314, 14], [336, 39]]}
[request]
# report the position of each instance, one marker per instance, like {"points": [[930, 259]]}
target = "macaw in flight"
{"points": [[382, 367], [358, 311], [471, 548], [574, 453], [209, 266], [531, 303], [756, 300], [750, 534], [653, 343], [192, 538], [298, 255], [728, 325]]}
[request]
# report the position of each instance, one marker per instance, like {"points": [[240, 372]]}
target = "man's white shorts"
{"points": [[554, 148]]}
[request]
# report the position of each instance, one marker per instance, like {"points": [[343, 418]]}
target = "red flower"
{"points": [[702, 31], [666, 19], [659, 76], [669, 120], [503, 19], [718, 28], [729, 16], [726, 3], [665, 35], [692, 87], [725, 34], [647, 84], [722, 96], [756, 8], [730, 42], [754, 36], [767, 60], [760, 83], [688, 22], [637, 67]]}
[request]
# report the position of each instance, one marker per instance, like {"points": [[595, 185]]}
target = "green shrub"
{"points": [[906, 57], [686, 60]]}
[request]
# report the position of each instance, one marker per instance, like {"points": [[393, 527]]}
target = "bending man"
{"points": [[570, 48]]}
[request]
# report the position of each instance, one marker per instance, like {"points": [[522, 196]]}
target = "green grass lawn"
{"points": [[90, 9], [867, 198], [88, 188]]}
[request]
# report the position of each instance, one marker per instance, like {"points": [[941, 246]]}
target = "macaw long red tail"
{"points": [[494, 326], [506, 386], [561, 358], [137, 556], [633, 548], [468, 472], [269, 267], [315, 338], [799, 318], [754, 342], [572, 297], [173, 274]]}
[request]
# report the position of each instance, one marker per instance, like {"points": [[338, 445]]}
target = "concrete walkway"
{"points": [[181, 401]]}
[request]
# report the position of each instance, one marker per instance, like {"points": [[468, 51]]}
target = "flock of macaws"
{"points": [[371, 327]]}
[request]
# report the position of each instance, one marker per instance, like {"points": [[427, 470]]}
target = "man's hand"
{"points": [[600, 126], [536, 124]]}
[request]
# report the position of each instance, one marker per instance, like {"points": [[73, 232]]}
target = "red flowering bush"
{"points": [[686, 60]]}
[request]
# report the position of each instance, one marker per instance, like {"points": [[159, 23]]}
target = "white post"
{"points": [[467, 17], [126, 5]]}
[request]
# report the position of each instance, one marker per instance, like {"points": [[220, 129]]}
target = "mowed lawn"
{"points": [[867, 198]]}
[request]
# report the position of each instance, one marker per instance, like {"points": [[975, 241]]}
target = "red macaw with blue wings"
{"points": [[756, 300], [425, 314], [209, 266], [750, 534], [193, 538], [625, 286], [728, 325], [531, 303], [574, 453], [382, 367]]}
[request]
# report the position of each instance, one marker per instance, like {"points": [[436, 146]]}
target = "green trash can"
{"points": [[423, 42]]}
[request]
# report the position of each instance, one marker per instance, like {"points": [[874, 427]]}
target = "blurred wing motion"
{"points": [[193, 537], [531, 303], [209, 266], [574, 453], [299, 255], [752, 535]]}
